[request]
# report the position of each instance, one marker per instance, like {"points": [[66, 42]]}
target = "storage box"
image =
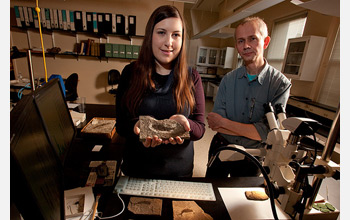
{"points": [[100, 127]]}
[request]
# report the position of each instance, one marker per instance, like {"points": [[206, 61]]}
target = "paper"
{"points": [[78, 202], [72, 105], [239, 207]]}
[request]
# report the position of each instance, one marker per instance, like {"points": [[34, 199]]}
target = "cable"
{"points": [[20, 92], [263, 171], [109, 217], [37, 9]]}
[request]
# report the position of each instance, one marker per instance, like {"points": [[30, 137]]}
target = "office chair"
{"points": [[71, 85], [113, 79]]}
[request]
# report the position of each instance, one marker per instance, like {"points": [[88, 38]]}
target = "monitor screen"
{"points": [[36, 172], [56, 117]]}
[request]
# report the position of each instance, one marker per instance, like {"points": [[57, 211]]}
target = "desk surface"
{"points": [[77, 170], [110, 204]]}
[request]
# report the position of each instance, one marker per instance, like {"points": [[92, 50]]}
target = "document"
{"points": [[239, 207], [78, 202]]}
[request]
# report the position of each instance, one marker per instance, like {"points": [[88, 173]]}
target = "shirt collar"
{"points": [[261, 76]]}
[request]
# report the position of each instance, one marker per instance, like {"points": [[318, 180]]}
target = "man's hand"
{"points": [[214, 121]]}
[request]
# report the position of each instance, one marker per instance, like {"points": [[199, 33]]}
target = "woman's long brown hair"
{"points": [[145, 65]]}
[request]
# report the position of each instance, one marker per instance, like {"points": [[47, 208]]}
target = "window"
{"points": [[330, 90], [291, 27]]}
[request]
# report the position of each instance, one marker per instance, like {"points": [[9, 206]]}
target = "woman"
{"points": [[159, 84]]}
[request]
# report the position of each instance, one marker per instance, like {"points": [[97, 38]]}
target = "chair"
{"points": [[113, 79], [71, 85]]}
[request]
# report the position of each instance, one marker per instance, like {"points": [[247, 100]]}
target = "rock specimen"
{"points": [[164, 129]]}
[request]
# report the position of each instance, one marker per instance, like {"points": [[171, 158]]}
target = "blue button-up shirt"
{"points": [[241, 100]]}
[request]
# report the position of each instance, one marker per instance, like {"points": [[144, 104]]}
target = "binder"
{"points": [[55, 17], [35, 18], [78, 22], [64, 19], [68, 20], [18, 17], [26, 16], [89, 23], [128, 51], [43, 17], [135, 51], [48, 18], [132, 25], [94, 22], [108, 23], [30, 16], [120, 20], [72, 20], [60, 19], [83, 17], [108, 50], [100, 22], [115, 50], [121, 50], [52, 19], [114, 23], [21, 15]]}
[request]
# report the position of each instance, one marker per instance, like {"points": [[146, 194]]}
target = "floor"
{"points": [[330, 188]]}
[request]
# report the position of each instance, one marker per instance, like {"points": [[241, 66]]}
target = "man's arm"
{"points": [[223, 125]]}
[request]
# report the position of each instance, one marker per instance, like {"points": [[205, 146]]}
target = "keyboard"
{"points": [[165, 188]]}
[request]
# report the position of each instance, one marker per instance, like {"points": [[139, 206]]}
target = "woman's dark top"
{"points": [[165, 160]]}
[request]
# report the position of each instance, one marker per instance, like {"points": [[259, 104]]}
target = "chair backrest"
{"points": [[113, 77], [71, 87]]}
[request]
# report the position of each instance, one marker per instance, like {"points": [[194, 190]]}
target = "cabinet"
{"points": [[208, 56], [226, 57], [215, 57], [303, 56]]}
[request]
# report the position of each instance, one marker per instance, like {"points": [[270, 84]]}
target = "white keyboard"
{"points": [[165, 188]]}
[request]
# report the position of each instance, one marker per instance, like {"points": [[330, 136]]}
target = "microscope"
{"points": [[288, 164]]}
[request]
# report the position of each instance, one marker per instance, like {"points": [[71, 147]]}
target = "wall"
{"points": [[92, 71], [316, 24]]}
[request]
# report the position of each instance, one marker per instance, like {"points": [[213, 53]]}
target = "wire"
{"points": [[109, 217], [37, 9], [263, 171], [20, 92]]}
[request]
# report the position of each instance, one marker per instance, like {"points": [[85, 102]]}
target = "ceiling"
{"points": [[204, 5]]}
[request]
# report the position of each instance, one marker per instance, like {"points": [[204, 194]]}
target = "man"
{"points": [[238, 114]]}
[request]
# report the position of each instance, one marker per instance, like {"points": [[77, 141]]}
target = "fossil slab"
{"points": [[164, 129]]}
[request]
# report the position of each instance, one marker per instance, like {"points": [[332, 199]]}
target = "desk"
{"points": [[77, 170], [111, 205], [76, 167]]}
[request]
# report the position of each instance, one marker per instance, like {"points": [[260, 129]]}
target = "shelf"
{"points": [[99, 35], [39, 53]]}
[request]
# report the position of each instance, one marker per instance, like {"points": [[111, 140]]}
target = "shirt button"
{"points": [[242, 113], [246, 98]]}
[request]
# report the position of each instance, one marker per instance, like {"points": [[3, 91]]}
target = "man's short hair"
{"points": [[260, 22]]}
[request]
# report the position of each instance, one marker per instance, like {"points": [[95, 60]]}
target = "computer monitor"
{"points": [[36, 174], [56, 116]]}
